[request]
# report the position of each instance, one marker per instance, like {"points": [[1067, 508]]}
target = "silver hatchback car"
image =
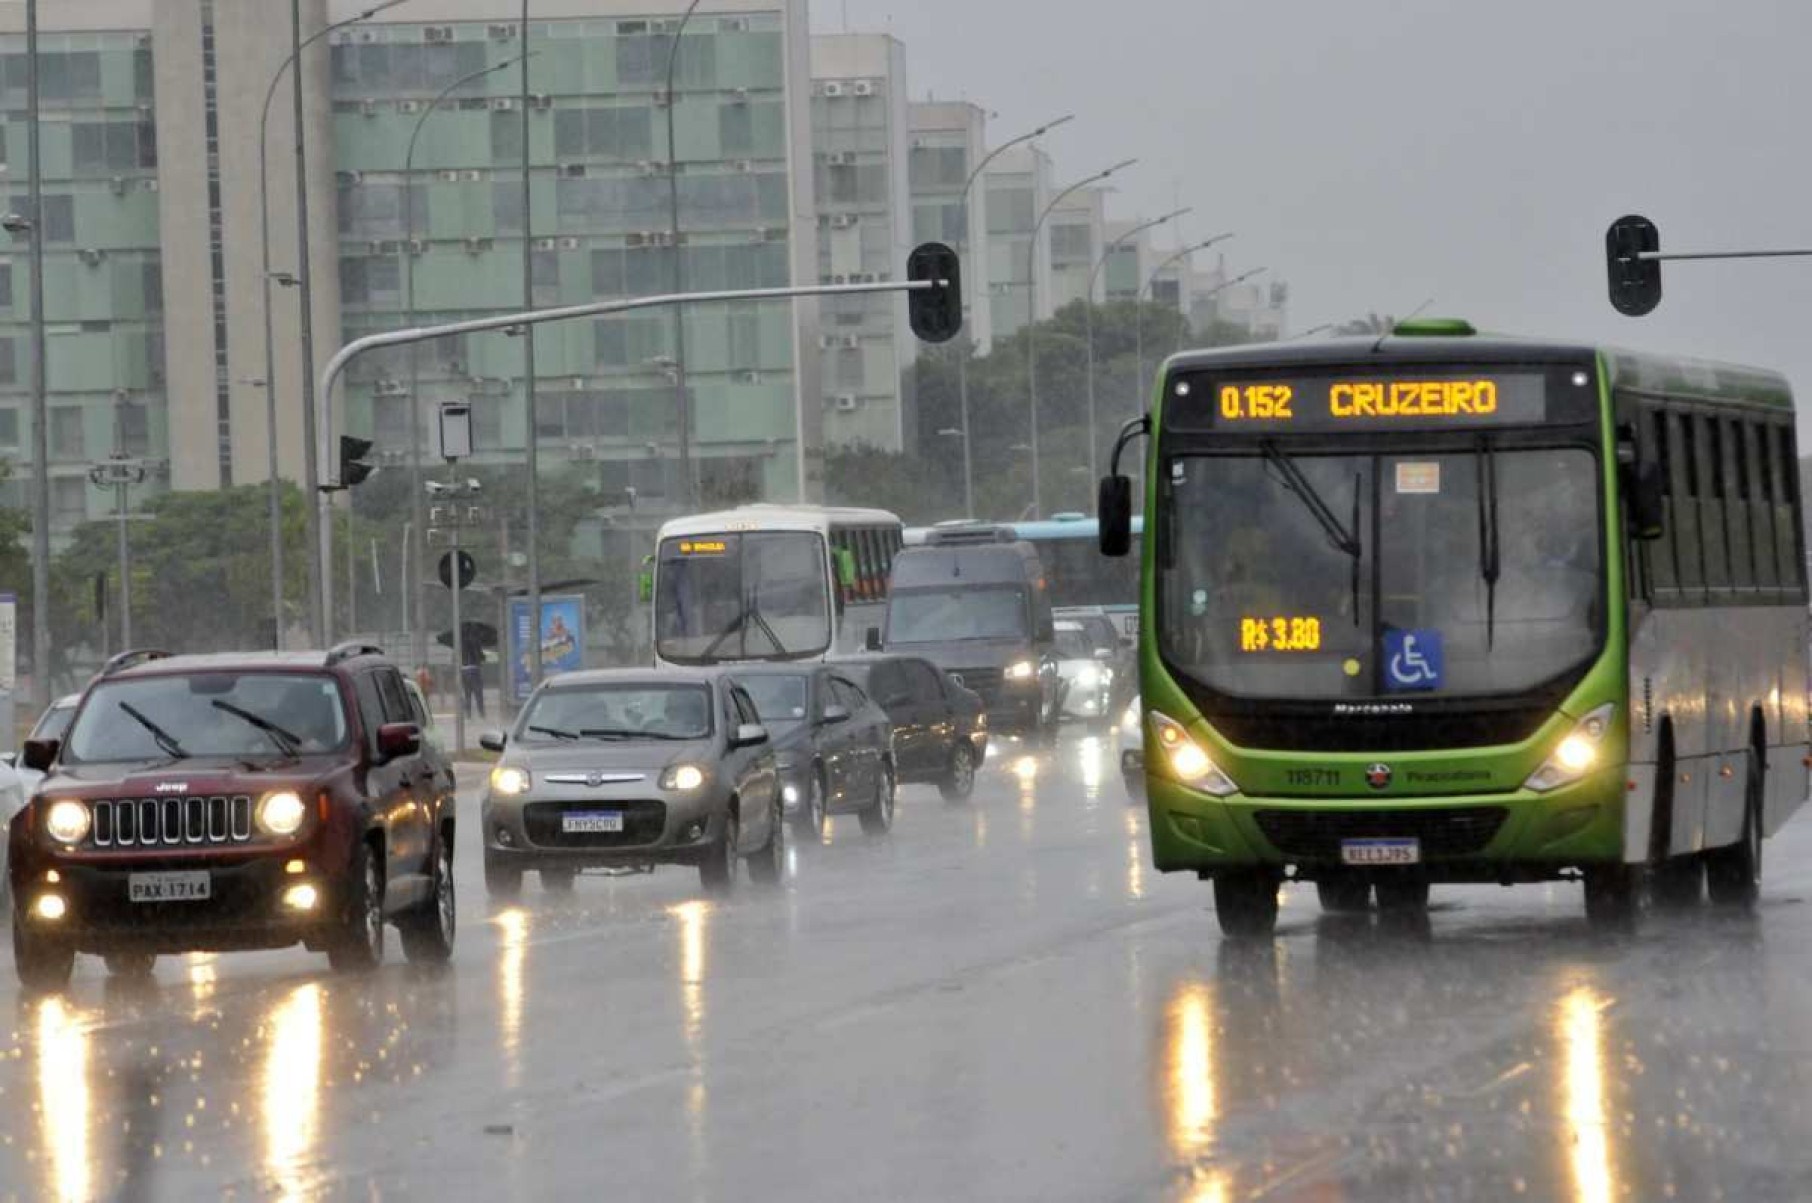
{"points": [[629, 769]]}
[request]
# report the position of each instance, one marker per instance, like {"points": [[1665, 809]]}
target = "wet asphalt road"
{"points": [[997, 1001]]}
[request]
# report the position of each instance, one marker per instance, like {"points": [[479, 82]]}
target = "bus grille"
{"points": [[1282, 731], [170, 822], [1442, 831]]}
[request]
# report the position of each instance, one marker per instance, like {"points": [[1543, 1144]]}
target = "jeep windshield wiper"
{"points": [[287, 741], [165, 740], [556, 732], [1338, 535]]}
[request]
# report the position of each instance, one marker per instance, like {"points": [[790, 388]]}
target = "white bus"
{"points": [[770, 582]]}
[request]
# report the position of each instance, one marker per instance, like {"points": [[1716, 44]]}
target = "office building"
{"points": [[1019, 187], [1077, 226]]}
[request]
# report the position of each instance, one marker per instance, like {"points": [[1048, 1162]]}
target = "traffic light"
{"points": [[353, 468], [936, 313], [1635, 283]]}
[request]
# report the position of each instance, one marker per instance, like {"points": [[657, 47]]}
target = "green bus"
{"points": [[1439, 607]]}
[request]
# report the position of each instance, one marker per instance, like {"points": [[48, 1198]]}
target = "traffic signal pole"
{"points": [[936, 316]]}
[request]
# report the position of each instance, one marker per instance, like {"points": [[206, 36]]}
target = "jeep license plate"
{"points": [[1381, 852], [169, 887], [591, 822]]}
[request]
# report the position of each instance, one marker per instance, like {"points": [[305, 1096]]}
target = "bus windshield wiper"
{"points": [[1338, 535], [750, 612], [1490, 560], [288, 742], [762, 622], [165, 740], [736, 624]]}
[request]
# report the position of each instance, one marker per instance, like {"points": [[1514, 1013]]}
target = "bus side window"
{"points": [[1708, 450], [1736, 507], [1788, 556], [1761, 508], [1659, 553], [1684, 486], [865, 566]]}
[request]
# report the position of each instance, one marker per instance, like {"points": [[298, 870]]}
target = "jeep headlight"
{"points": [[67, 821], [683, 778], [1188, 762], [509, 781], [1576, 754], [1021, 670], [281, 813]]}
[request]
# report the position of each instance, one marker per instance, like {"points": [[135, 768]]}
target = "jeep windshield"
{"points": [[205, 715]]}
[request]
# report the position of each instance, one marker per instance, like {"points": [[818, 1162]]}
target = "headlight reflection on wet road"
{"points": [[64, 1106], [292, 1089], [1193, 1103], [512, 926], [1581, 1023]]}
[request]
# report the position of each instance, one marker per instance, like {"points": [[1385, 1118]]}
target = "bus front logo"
{"points": [[1378, 776]]}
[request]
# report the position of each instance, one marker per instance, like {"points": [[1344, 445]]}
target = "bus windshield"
{"points": [[729, 597], [1381, 575]]}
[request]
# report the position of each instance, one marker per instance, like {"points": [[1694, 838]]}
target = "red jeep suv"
{"points": [[233, 801]]}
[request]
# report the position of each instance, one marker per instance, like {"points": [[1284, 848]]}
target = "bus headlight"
{"points": [[1187, 760], [67, 821], [509, 781], [1021, 670], [1576, 754]]}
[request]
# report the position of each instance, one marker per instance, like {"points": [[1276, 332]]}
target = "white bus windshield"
{"points": [[730, 597]]}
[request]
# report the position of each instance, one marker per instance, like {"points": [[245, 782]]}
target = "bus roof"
{"points": [[766, 516], [1077, 526], [1636, 370]]}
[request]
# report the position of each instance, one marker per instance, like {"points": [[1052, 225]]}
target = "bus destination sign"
{"points": [[1373, 402]]}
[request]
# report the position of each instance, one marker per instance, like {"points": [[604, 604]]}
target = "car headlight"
{"points": [[67, 821], [683, 778], [1021, 670], [1129, 721], [1191, 765], [510, 781], [281, 813], [1576, 754], [1089, 677]]}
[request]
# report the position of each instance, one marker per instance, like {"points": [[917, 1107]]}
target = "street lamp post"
{"points": [[266, 278], [1145, 286], [40, 397], [1088, 317], [681, 403], [119, 472], [968, 343], [415, 600], [1032, 316], [1218, 288], [532, 453]]}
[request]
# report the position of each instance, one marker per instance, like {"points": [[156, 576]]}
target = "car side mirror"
{"points": [[493, 741], [39, 754], [1647, 500], [398, 739], [834, 715], [1104, 654], [1113, 505], [749, 735], [872, 639]]}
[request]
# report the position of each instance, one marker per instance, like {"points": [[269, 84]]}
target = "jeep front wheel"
{"points": [[358, 944]]}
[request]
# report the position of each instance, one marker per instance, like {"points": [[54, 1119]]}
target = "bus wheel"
{"points": [[1344, 895], [1245, 902], [1678, 883], [1402, 895], [1613, 897], [1734, 874]]}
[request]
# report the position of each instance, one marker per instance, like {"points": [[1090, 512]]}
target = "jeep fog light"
{"points": [[51, 907], [301, 897]]}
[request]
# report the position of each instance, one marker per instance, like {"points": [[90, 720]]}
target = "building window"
{"points": [[939, 167], [613, 133], [9, 361], [6, 286], [135, 428], [9, 427], [59, 215], [66, 432], [69, 499]]}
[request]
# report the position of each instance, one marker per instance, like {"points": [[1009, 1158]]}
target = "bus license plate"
{"points": [[591, 822], [1380, 852], [169, 887]]}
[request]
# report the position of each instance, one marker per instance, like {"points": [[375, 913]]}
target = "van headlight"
{"points": [[1577, 753], [1188, 762], [281, 813], [509, 781], [67, 821], [1021, 670]]}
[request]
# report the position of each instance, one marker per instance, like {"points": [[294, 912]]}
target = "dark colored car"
{"points": [[940, 727], [835, 746], [236, 801], [629, 769]]}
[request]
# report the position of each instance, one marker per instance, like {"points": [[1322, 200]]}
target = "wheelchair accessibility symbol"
{"points": [[1412, 660]]}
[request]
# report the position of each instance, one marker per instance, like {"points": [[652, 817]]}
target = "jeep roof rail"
{"points": [[131, 659], [350, 650]]}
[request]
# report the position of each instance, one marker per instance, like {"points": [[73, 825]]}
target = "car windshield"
{"points": [[948, 615], [780, 699], [742, 597], [1073, 644], [208, 714], [1467, 573], [617, 712]]}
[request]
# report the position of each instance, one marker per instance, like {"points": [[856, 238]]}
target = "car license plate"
{"points": [[1381, 852], [590, 822], [169, 887]]}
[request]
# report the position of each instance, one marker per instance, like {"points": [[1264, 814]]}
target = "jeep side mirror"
{"points": [[493, 741], [1647, 501], [1114, 509], [39, 754], [398, 739], [872, 640]]}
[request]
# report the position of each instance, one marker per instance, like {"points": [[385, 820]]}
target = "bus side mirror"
{"points": [[1647, 504], [1114, 509]]}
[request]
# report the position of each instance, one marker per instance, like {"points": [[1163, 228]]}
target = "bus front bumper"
{"points": [[1519, 836]]}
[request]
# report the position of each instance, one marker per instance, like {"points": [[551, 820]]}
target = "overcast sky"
{"points": [[1375, 153]]}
